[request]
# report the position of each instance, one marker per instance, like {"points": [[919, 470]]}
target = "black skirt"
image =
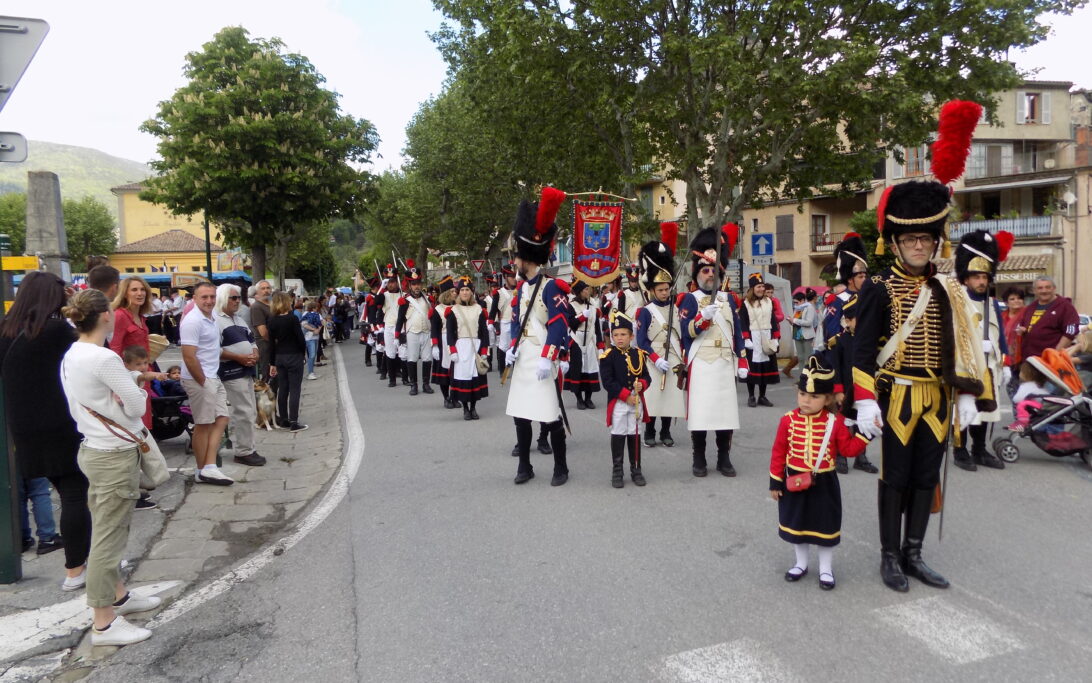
{"points": [[814, 515], [469, 389], [576, 380], [441, 376]]}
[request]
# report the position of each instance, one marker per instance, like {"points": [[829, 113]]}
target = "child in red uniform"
{"points": [[812, 515]]}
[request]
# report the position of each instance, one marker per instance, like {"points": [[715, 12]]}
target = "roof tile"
{"points": [[166, 242]]}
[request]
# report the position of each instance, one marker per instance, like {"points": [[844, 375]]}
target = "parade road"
{"points": [[435, 567]]}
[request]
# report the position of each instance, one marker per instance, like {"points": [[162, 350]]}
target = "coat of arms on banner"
{"points": [[597, 241]]}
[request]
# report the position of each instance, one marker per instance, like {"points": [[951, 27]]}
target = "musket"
{"points": [[670, 327], [522, 327]]}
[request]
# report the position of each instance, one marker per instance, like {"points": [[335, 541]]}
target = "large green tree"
{"points": [[744, 101], [13, 219], [89, 228], [254, 136]]}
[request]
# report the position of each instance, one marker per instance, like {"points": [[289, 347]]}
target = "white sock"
{"points": [[801, 555], [210, 468], [826, 561]]}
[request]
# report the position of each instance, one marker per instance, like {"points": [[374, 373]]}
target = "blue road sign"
{"points": [[762, 245]]}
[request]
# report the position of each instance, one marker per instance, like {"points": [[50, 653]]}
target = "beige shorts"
{"points": [[206, 402]]}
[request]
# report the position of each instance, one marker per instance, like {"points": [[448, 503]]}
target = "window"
{"points": [[1032, 107], [914, 162], [784, 233], [130, 270], [196, 269], [663, 199], [820, 233], [140, 270], [754, 225]]}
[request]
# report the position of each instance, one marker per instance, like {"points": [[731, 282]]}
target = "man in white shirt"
{"points": [[200, 341]]}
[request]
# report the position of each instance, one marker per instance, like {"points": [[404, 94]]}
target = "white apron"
{"points": [[711, 396], [528, 397], [671, 402]]}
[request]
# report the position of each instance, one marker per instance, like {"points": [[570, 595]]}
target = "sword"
{"points": [[522, 327], [956, 438], [561, 403]]}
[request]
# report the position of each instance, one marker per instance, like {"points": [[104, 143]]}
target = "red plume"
{"points": [[1004, 244], [669, 235], [731, 235], [849, 235], [958, 119], [409, 263], [548, 206], [881, 210]]}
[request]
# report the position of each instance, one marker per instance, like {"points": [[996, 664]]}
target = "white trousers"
{"points": [[418, 347], [391, 346], [625, 418]]}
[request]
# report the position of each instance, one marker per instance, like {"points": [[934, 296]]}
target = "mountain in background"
{"points": [[82, 170]]}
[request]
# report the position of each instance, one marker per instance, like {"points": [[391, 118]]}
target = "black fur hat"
{"points": [[849, 253], [916, 206], [535, 230], [981, 252], [704, 246]]}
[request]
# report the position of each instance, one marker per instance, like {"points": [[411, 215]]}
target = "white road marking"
{"points": [[36, 669], [30, 628], [958, 634], [740, 661], [353, 452]]}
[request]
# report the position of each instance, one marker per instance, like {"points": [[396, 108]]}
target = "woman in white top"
{"points": [[107, 407]]}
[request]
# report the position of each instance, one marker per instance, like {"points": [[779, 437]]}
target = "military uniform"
{"points": [[625, 372], [467, 339], [585, 343], [412, 329], [387, 303], [761, 338]]}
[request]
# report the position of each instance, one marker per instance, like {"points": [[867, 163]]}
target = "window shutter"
{"points": [[1045, 97], [897, 170], [1021, 107], [1006, 160]]}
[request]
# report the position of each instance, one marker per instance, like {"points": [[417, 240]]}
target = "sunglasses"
{"points": [[234, 298]]}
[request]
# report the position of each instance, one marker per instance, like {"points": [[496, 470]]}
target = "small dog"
{"points": [[267, 407]]}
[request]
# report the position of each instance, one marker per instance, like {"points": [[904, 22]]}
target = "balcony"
{"points": [[1027, 226], [823, 243]]}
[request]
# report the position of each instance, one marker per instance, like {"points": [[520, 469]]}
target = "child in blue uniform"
{"points": [[623, 370]]}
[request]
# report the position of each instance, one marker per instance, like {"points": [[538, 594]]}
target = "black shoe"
{"points": [[428, 389], [466, 414], [392, 383], [515, 451], [588, 404], [666, 440], [474, 414], [251, 460], [544, 447], [413, 390], [727, 470], [864, 464], [580, 404], [963, 461], [763, 401], [559, 479], [406, 382], [55, 543], [699, 471], [841, 465], [987, 459], [637, 477], [524, 477], [28, 543], [650, 440], [297, 427], [826, 584], [617, 479], [891, 572], [143, 503], [751, 403], [914, 566], [793, 577]]}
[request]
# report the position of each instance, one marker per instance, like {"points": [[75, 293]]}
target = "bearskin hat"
{"points": [[703, 247], [657, 257], [981, 252], [534, 231], [815, 378], [847, 254]]}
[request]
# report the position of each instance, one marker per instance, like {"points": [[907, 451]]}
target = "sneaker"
{"points": [[74, 583], [137, 603], [214, 477], [250, 460], [1016, 427], [46, 547], [119, 632], [312, 376], [297, 427], [146, 503]]}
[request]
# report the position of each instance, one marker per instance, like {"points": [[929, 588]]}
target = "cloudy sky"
{"points": [[106, 64]]}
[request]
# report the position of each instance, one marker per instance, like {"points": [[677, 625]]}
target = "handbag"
{"points": [[482, 364], [153, 466], [769, 346], [802, 481]]}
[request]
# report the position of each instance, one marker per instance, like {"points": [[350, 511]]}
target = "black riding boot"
{"points": [[617, 453], [635, 460], [544, 440], [381, 365], [473, 410], [917, 521], [698, 440], [524, 471], [405, 371], [890, 504], [411, 372], [665, 432], [367, 355], [724, 451], [466, 411], [561, 465], [426, 378], [392, 371]]}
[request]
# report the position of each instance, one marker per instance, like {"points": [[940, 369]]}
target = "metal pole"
{"points": [[11, 537], [208, 249]]}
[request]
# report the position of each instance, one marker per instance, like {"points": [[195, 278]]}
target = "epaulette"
{"points": [[562, 285], [606, 352]]}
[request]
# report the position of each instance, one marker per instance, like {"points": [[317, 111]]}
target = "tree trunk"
{"points": [[422, 261], [257, 261]]}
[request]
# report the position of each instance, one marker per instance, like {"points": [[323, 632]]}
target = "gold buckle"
{"points": [[716, 343]]}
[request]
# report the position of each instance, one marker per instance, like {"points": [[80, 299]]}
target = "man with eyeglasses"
{"points": [[914, 352], [238, 358]]}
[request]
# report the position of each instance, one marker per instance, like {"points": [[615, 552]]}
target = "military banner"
{"points": [[597, 241]]}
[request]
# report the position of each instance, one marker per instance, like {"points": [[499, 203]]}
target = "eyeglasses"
{"points": [[234, 298], [911, 240]]}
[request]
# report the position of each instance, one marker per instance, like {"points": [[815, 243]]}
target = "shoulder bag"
{"points": [[803, 480]]}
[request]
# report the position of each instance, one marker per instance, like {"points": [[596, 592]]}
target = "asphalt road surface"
{"points": [[437, 568]]}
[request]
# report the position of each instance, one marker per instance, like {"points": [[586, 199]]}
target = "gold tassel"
{"points": [[946, 248], [879, 246]]}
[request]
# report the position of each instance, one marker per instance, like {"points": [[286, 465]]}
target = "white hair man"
{"points": [[238, 357]]}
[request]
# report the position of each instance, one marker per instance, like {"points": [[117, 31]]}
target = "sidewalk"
{"points": [[197, 532]]}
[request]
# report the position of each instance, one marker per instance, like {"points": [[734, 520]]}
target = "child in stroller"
{"points": [[171, 415]]}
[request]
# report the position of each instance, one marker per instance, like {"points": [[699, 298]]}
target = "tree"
{"points": [[311, 258], [89, 228], [13, 219], [254, 136], [749, 101]]}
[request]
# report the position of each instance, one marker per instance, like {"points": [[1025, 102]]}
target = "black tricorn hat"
{"points": [[535, 230], [815, 378], [848, 254]]}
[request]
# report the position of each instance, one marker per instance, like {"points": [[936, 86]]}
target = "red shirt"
{"points": [[1058, 319], [128, 332]]}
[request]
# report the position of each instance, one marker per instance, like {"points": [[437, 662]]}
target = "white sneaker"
{"points": [[214, 477], [120, 632], [138, 603], [74, 583], [312, 376]]}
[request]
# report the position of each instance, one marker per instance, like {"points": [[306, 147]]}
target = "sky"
{"points": [[106, 64]]}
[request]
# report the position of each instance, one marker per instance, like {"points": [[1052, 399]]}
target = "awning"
{"points": [[1031, 265], [1030, 182]]}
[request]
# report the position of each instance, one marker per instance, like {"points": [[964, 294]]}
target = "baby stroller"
{"points": [[1063, 425], [171, 416]]}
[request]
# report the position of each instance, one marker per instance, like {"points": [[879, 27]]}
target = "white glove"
{"points": [[748, 343], [968, 413], [742, 373], [850, 422], [510, 355], [987, 346], [709, 312], [1006, 375], [662, 365], [435, 353], [454, 358], [564, 367], [545, 369], [590, 314], [869, 418]]}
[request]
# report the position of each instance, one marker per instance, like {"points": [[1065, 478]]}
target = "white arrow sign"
{"points": [[19, 40]]}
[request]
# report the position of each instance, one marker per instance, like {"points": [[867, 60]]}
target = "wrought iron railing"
{"points": [[1026, 226]]}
